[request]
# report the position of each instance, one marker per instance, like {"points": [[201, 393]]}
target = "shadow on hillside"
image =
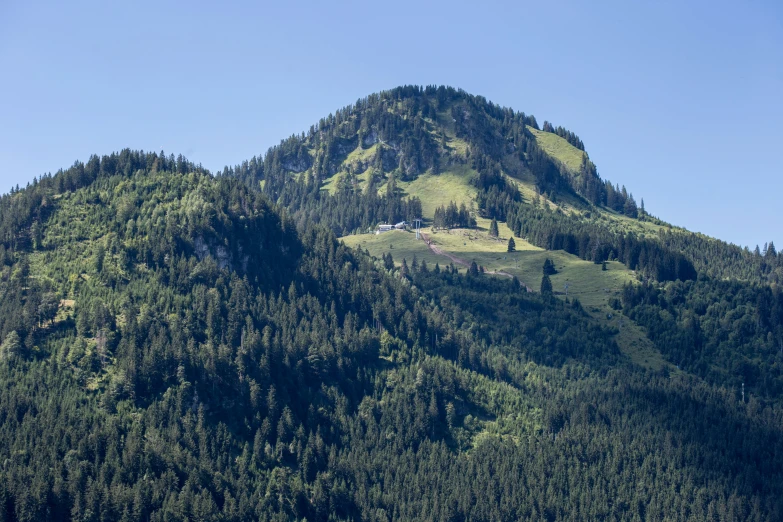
{"points": [[500, 313], [680, 424]]}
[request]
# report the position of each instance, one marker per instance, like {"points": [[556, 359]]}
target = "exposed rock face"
{"points": [[371, 138], [295, 164], [220, 253], [345, 148]]}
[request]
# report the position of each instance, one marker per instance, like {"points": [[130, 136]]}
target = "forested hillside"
{"points": [[373, 156], [178, 346]]}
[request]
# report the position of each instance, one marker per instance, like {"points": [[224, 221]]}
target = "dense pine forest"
{"points": [[182, 346]]}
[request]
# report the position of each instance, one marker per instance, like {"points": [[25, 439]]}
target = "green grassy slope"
{"points": [[568, 155], [558, 148], [586, 281], [437, 190]]}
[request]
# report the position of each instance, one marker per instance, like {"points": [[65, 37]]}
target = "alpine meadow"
{"points": [[529, 343]]}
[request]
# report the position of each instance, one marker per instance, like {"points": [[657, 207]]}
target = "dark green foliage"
{"points": [[549, 267], [493, 228], [569, 136], [721, 260], [179, 347], [726, 332], [512, 246], [190, 384], [451, 217], [557, 231], [546, 285], [388, 261]]}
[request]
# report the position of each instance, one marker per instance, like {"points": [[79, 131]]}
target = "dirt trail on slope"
{"points": [[458, 260]]}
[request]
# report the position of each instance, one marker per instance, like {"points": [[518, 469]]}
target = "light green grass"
{"points": [[587, 282], [457, 146], [354, 157], [330, 184], [437, 190], [558, 148], [400, 243], [620, 223], [364, 177], [446, 122], [633, 341], [359, 154]]}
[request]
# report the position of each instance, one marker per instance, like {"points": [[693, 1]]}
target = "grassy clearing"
{"points": [[446, 122], [621, 223], [364, 177], [559, 149], [359, 154], [435, 190], [457, 146], [586, 281], [593, 286], [330, 184], [401, 244], [633, 342], [526, 184]]}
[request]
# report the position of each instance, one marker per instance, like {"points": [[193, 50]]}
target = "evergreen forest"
{"points": [[177, 344]]}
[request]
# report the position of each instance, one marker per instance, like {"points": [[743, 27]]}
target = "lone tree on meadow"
{"points": [[493, 228], [546, 285], [512, 247], [549, 267]]}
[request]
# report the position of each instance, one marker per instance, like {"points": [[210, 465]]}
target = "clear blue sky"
{"points": [[679, 101]]}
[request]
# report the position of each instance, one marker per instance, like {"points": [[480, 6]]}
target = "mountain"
{"points": [[177, 345], [407, 152], [439, 144]]}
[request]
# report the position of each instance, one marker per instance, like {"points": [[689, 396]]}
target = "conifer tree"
{"points": [[493, 228], [404, 268], [512, 247], [546, 285], [549, 267]]}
